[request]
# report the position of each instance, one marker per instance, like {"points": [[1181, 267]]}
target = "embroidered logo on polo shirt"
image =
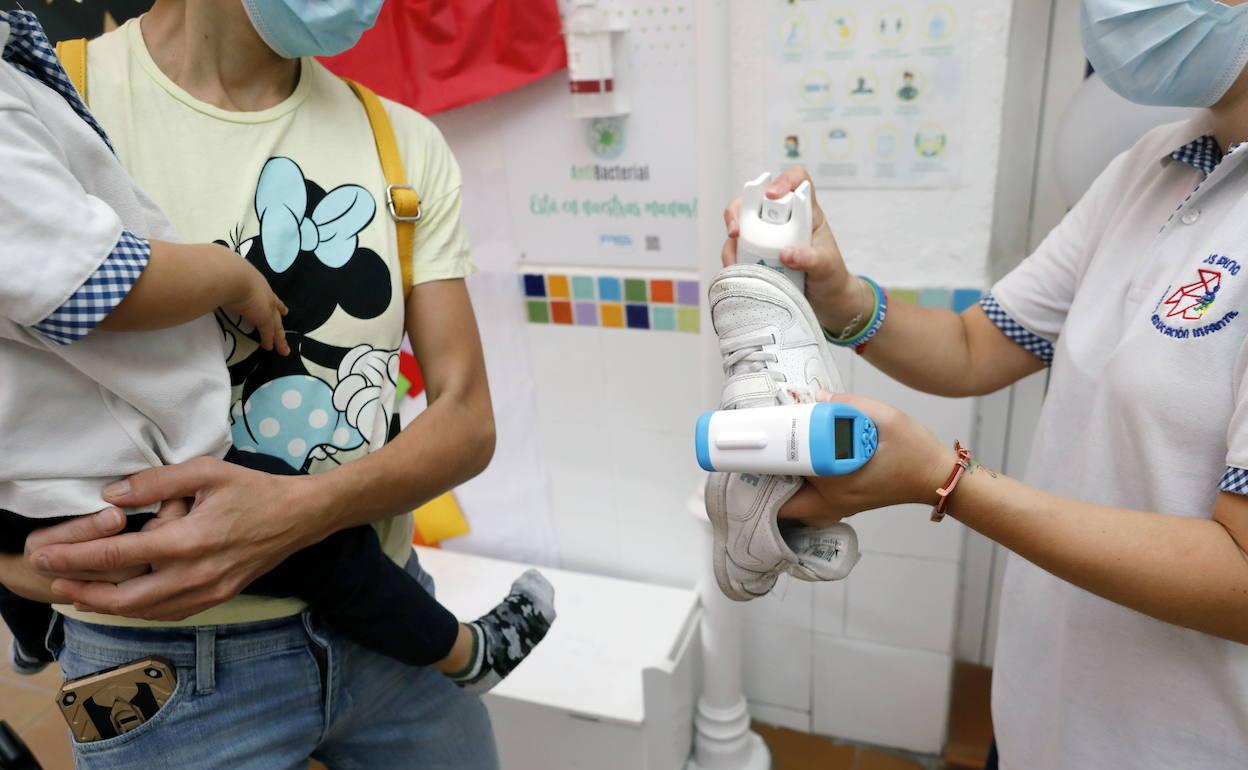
{"points": [[1192, 302]]}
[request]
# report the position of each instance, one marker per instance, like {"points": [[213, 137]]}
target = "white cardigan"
{"points": [[76, 417]]}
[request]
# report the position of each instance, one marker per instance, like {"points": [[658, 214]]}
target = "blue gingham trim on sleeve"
{"points": [[100, 293], [1234, 480], [1033, 343]]}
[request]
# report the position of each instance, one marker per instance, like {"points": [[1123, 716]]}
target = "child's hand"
{"points": [[262, 308]]}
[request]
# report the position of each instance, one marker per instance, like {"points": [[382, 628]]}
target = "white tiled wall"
{"points": [[876, 693], [903, 602], [616, 409], [868, 658]]}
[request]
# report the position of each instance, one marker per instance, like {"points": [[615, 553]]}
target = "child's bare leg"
{"points": [[461, 653]]}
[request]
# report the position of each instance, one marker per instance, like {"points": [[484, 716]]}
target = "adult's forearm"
{"points": [[1190, 572], [446, 445], [925, 348], [947, 354]]}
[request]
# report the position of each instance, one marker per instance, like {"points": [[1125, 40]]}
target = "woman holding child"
{"points": [[217, 110]]}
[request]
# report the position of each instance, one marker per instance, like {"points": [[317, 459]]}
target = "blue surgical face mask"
{"points": [[295, 28], [1173, 53]]}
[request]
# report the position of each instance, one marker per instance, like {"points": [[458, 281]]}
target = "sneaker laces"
{"points": [[749, 355]]}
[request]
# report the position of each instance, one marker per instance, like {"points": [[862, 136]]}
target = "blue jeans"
{"points": [[269, 695]]}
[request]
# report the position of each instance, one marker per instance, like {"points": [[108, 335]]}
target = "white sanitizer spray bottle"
{"points": [[768, 225]]}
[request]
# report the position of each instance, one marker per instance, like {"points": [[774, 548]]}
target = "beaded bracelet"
{"points": [[878, 311]]}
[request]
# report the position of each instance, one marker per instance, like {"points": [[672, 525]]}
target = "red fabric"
{"points": [[434, 55], [409, 368]]}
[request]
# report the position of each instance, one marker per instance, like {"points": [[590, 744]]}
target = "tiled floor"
{"points": [[970, 717], [26, 703], [792, 750]]}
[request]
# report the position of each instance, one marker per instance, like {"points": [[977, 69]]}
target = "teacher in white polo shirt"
{"points": [[1124, 616]]}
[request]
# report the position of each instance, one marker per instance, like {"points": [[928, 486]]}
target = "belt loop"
{"points": [[205, 659]]}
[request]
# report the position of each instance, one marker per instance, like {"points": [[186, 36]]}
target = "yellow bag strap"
{"points": [[402, 200], [73, 56]]}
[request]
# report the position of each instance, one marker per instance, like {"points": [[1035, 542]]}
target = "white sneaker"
{"points": [[774, 353]]}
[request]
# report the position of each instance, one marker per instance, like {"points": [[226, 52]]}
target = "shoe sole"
{"points": [[775, 279]]}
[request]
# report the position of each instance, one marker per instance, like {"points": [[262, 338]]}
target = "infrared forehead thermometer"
{"points": [[767, 226], [798, 440]]}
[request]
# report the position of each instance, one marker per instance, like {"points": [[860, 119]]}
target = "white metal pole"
{"points": [[723, 739]]}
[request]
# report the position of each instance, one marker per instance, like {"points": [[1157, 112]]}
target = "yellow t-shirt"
{"points": [[298, 191]]}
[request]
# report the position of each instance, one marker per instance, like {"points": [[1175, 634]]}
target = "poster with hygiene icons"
{"points": [[867, 94]]}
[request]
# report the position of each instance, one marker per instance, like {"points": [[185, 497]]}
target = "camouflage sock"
{"points": [[504, 636]]}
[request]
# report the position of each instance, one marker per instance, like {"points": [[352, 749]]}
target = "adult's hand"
{"points": [[836, 296], [241, 524], [908, 466], [17, 572]]}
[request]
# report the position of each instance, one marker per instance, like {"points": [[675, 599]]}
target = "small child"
{"points": [[110, 363]]}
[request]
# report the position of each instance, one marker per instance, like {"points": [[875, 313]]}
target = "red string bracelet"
{"points": [[964, 464]]}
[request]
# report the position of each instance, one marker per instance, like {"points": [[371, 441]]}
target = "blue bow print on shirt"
{"points": [[330, 232]]}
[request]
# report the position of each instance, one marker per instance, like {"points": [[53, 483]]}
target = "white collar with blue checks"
{"points": [[25, 45], [1203, 153]]}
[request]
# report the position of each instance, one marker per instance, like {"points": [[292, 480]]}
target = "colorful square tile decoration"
{"points": [[934, 297], [609, 289], [557, 285], [586, 314], [634, 290], [561, 312], [663, 304], [582, 287], [539, 312], [904, 295], [534, 286], [612, 315], [964, 298], [662, 318], [688, 319]]}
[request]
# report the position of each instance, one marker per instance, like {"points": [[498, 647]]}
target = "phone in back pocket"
{"points": [[115, 701]]}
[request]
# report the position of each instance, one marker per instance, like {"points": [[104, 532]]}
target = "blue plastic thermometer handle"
{"points": [[861, 442]]}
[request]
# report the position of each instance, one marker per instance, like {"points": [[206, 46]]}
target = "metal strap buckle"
{"points": [[394, 214]]}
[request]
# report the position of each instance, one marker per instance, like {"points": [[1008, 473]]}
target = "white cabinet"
{"points": [[612, 687]]}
